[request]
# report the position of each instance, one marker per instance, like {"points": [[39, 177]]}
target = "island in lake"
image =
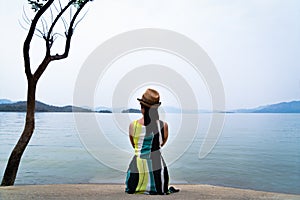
{"points": [[7, 105]]}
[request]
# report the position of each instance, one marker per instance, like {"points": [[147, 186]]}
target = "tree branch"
{"points": [[42, 67], [80, 19], [48, 46], [29, 37], [49, 40], [48, 58], [24, 16], [69, 34]]}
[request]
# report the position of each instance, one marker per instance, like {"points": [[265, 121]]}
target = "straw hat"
{"points": [[150, 98]]}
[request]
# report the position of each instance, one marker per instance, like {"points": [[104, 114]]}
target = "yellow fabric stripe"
{"points": [[136, 137], [143, 175]]}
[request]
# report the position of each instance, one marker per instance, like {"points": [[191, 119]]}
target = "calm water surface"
{"points": [[255, 151]]}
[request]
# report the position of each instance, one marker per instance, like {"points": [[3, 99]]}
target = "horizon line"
{"points": [[166, 106]]}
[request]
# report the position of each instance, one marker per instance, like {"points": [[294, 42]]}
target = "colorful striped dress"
{"points": [[147, 172]]}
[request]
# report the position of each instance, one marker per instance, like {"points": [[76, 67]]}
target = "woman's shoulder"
{"points": [[133, 123], [137, 122]]}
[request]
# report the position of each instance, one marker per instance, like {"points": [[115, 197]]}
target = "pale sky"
{"points": [[254, 44]]}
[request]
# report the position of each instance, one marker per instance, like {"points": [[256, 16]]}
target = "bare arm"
{"points": [[166, 133], [131, 134]]}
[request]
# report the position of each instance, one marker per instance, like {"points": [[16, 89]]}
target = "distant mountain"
{"points": [[5, 101], [166, 109], [7, 105], [39, 107], [283, 107], [103, 109], [131, 110]]}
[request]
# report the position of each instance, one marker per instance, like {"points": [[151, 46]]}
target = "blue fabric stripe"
{"points": [[146, 148]]}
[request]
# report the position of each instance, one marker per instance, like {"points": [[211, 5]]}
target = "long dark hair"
{"points": [[150, 117]]}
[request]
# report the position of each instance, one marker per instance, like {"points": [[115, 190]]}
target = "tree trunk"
{"points": [[15, 157], [32, 79]]}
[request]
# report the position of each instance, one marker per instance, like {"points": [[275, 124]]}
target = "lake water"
{"points": [[254, 151]]}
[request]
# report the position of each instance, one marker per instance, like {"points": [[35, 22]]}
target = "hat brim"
{"points": [[148, 104]]}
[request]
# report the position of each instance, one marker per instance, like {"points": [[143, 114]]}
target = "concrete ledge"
{"points": [[115, 191]]}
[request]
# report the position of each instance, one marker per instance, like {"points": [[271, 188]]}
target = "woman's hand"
{"points": [[166, 133]]}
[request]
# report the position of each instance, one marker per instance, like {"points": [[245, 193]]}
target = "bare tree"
{"points": [[41, 27]]}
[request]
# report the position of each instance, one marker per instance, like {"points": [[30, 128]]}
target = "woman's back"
{"points": [[145, 142]]}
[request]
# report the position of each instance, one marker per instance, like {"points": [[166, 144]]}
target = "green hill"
{"points": [[39, 107]]}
